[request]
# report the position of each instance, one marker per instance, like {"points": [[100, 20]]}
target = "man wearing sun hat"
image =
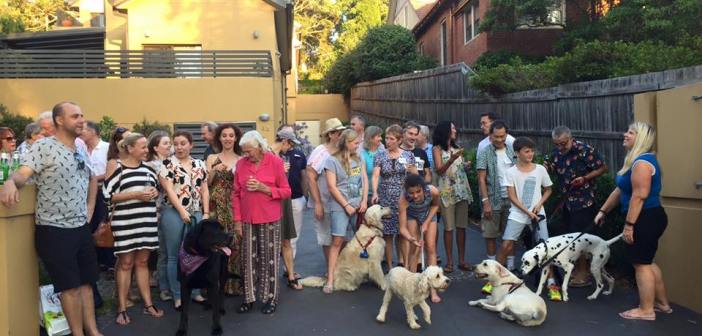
{"points": [[319, 192]]}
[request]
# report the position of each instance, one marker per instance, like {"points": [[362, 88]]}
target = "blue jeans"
{"points": [[173, 230]]}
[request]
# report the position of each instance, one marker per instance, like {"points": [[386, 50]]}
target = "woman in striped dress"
{"points": [[130, 191]]}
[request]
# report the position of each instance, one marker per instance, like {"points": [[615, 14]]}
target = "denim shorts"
{"points": [[340, 222]]}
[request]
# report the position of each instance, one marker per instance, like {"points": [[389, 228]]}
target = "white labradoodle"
{"points": [[586, 244], [510, 296], [351, 268], [413, 289]]}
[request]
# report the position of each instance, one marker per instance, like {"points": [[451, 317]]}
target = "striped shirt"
{"points": [[134, 222]]}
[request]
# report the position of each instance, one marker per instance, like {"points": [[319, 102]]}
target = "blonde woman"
{"points": [[131, 187], [348, 186], [638, 193]]}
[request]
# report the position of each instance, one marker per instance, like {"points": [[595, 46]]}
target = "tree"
{"points": [[14, 121], [331, 28], [358, 17], [385, 51], [318, 20], [30, 15]]}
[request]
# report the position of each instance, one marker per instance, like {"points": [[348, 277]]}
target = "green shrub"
{"points": [[107, 125], [145, 127], [14, 121], [589, 61], [385, 51], [493, 59]]}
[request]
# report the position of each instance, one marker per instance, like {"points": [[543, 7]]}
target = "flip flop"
{"points": [[660, 309], [580, 283], [448, 269], [627, 315]]}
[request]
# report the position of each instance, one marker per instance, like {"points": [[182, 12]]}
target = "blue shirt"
{"points": [[368, 158], [624, 183], [298, 162]]}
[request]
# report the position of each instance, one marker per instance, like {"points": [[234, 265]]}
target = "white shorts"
{"points": [[323, 229], [514, 229]]}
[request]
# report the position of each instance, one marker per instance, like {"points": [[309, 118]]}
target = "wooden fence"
{"points": [[598, 112]]}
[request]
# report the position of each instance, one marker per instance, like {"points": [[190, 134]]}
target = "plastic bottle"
{"points": [[15, 161]]}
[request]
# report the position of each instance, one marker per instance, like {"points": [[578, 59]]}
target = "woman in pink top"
{"points": [[259, 186]]}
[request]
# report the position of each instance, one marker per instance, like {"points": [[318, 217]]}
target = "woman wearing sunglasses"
{"points": [[9, 142]]}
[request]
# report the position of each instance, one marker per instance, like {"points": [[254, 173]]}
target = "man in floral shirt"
{"points": [[576, 165]]}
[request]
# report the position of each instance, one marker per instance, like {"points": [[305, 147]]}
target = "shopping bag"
{"points": [[51, 313]]}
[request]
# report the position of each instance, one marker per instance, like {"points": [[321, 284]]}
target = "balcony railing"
{"points": [[134, 63]]}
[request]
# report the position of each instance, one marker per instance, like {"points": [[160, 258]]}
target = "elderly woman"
{"points": [[259, 186], [638, 193], [32, 133], [8, 139]]}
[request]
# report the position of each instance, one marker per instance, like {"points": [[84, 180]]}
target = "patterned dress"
{"points": [[453, 185], [392, 178], [221, 208]]}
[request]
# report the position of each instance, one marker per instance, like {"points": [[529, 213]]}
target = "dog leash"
{"points": [[589, 228]]}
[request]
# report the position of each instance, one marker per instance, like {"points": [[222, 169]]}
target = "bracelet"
{"points": [[484, 199], [347, 204], [602, 211], [627, 223]]}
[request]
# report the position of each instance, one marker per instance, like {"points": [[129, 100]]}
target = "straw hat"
{"points": [[333, 124]]}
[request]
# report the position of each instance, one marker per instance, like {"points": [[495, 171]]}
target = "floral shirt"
{"points": [[487, 160], [453, 185], [186, 186], [579, 161]]}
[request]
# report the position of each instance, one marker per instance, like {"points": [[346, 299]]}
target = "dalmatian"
{"points": [[573, 245]]}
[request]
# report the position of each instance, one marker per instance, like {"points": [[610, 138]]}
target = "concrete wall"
{"points": [[677, 117], [171, 100], [310, 112], [214, 24]]}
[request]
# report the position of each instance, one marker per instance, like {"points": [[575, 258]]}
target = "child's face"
{"points": [[526, 155], [416, 193]]}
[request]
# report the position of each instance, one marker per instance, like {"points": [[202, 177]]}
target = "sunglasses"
{"points": [[9, 138], [81, 161]]}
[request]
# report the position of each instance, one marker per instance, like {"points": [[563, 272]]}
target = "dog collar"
{"points": [[364, 254]]}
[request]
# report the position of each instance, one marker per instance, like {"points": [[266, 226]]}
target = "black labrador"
{"points": [[202, 263]]}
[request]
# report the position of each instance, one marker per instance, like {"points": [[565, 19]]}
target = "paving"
{"points": [[311, 312]]}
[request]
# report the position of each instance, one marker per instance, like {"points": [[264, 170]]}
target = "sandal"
{"points": [[153, 311], [294, 284], [245, 308], [122, 316], [269, 308], [630, 316], [448, 268], [465, 267], [579, 283], [297, 275], [328, 289], [659, 309]]}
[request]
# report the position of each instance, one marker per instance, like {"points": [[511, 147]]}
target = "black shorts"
{"points": [[287, 221], [68, 255], [580, 220], [649, 227]]}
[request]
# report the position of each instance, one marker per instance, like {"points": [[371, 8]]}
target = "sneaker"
{"points": [[554, 293], [487, 289], [166, 295]]}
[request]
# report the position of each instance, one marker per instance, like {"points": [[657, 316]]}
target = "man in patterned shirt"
{"points": [[66, 190], [576, 165]]}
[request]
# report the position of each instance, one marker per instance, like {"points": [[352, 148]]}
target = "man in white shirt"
{"points": [[486, 120], [97, 148]]}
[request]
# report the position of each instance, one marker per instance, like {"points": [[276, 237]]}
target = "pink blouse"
{"points": [[257, 207]]}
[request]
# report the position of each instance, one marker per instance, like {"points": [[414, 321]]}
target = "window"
{"points": [[554, 18], [420, 48], [471, 21], [444, 52]]}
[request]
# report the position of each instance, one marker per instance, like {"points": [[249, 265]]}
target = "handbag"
{"points": [[103, 234]]}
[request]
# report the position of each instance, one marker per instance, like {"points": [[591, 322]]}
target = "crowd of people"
{"points": [[153, 190]]}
